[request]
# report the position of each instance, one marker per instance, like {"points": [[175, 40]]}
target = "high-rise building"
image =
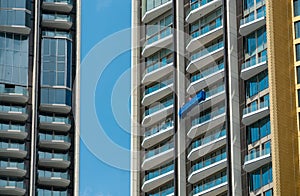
{"points": [[243, 138], [39, 97]]}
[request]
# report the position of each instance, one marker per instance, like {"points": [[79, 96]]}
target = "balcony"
{"points": [[12, 150], [157, 112], [158, 178], [253, 67], [206, 78], [56, 108], [166, 192], [16, 188], [201, 8], [208, 121], [158, 70], [158, 134], [65, 6], [156, 42], [158, 156], [205, 35], [157, 92], [51, 192], [50, 160], [57, 21], [13, 113], [12, 169], [15, 132], [13, 95], [255, 112], [205, 57], [56, 142], [159, 8], [56, 179], [256, 160], [253, 22], [59, 124], [214, 187], [208, 144], [207, 168], [15, 20]]}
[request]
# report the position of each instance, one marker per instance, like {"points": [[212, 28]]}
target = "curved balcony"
{"points": [[207, 168], [208, 121], [15, 20], [16, 132], [166, 192], [201, 8], [158, 70], [253, 67], [201, 147], [158, 178], [206, 78], [56, 108], [205, 57], [51, 160], [56, 179], [214, 187], [205, 35], [12, 150], [12, 169], [13, 113], [256, 160], [253, 22], [157, 92], [55, 123], [158, 112], [56, 142], [65, 6], [158, 156], [12, 188], [159, 7], [158, 41], [256, 112], [57, 21], [158, 134], [13, 95]]}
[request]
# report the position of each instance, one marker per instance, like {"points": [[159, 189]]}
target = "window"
{"points": [[297, 52], [258, 130], [257, 84], [296, 8], [297, 29], [260, 177], [298, 74], [269, 193], [298, 97]]}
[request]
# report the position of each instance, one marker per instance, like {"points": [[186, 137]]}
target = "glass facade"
{"points": [[296, 7], [260, 177], [257, 84], [258, 130], [297, 52]]}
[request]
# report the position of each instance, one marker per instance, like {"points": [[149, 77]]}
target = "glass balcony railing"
{"points": [[50, 119], [159, 150], [50, 192], [47, 155], [12, 127], [214, 91], [57, 34], [249, 6], [159, 172], [151, 4], [207, 28], [197, 4], [209, 185], [49, 174], [165, 192], [158, 86], [207, 72], [159, 128], [207, 50], [17, 90], [18, 109], [58, 1], [208, 139], [159, 107], [7, 183], [208, 162], [208, 116], [47, 137], [57, 17], [257, 154], [5, 145], [255, 107], [254, 61], [162, 63], [251, 17], [159, 35], [5, 164]]}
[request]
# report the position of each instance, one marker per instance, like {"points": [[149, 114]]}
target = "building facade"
{"points": [[39, 97], [243, 139]]}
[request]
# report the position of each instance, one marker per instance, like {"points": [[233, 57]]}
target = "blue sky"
{"points": [[101, 18]]}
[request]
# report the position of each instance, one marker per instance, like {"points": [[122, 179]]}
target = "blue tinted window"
{"points": [[296, 8], [258, 130], [297, 52], [297, 29]]}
